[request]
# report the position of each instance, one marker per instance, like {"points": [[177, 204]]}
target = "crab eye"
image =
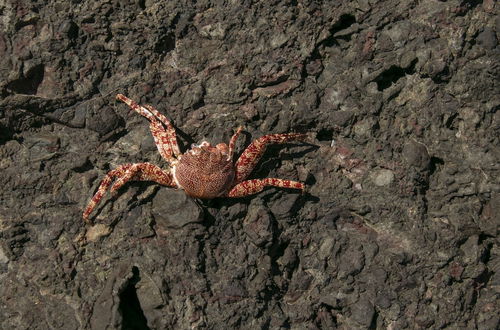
{"points": [[223, 148], [195, 150]]}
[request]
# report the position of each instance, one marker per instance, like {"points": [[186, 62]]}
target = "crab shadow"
{"points": [[184, 140]]}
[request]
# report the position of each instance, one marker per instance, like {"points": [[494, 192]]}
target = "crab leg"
{"points": [[252, 154], [232, 142], [172, 136], [125, 173], [254, 186], [165, 139]]}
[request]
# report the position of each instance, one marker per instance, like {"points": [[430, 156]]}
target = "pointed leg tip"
{"points": [[304, 137], [304, 190], [86, 219], [121, 97]]}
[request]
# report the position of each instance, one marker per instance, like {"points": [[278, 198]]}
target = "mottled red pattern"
{"points": [[208, 174], [127, 172], [254, 186], [253, 153], [204, 171], [165, 139]]}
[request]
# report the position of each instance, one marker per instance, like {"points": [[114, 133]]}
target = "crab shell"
{"points": [[205, 171]]}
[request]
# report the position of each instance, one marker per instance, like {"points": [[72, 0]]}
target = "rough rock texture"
{"points": [[399, 228]]}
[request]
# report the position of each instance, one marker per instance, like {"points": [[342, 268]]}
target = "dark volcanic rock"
{"points": [[174, 209], [399, 224]]}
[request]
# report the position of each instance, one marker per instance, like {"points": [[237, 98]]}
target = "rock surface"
{"points": [[399, 228]]}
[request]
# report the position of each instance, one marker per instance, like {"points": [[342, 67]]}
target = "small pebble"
{"points": [[383, 178], [97, 231]]}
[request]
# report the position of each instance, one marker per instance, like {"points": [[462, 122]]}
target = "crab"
{"points": [[204, 171]]}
